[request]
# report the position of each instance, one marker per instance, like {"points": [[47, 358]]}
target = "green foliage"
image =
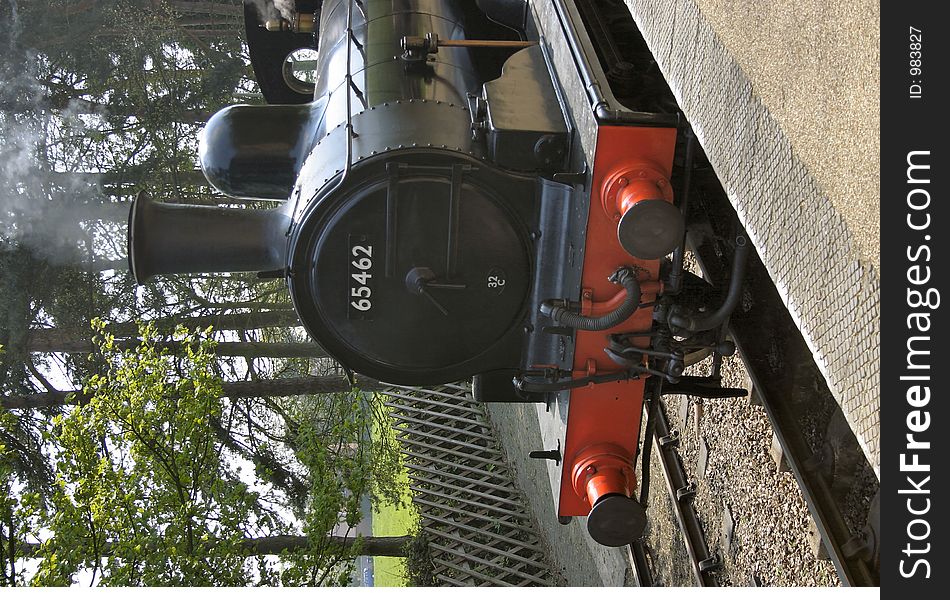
{"points": [[333, 442], [142, 494], [392, 518], [390, 482], [148, 491], [419, 564]]}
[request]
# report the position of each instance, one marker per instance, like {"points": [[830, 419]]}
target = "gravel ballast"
{"points": [[770, 544]]}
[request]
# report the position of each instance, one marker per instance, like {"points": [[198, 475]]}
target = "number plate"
{"points": [[361, 259]]}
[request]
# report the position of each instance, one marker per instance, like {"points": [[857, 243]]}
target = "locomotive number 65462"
{"points": [[360, 274]]}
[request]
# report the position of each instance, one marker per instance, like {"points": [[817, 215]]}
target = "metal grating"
{"points": [[478, 524]]}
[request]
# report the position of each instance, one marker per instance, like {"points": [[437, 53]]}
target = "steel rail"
{"points": [[642, 575], [682, 493], [775, 386]]}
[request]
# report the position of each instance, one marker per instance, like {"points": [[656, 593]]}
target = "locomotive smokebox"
{"points": [[179, 238]]}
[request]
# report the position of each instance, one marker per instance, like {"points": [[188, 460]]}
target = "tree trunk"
{"points": [[243, 349], [293, 386], [48, 339], [68, 179], [206, 34], [207, 8], [60, 102], [102, 264], [286, 386], [370, 546], [204, 20]]}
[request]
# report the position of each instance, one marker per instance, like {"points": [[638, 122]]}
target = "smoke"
{"points": [[13, 23], [271, 9], [264, 8], [41, 208], [48, 212], [287, 8]]}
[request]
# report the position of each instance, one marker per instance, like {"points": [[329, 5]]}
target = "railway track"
{"points": [[681, 490], [822, 454], [823, 460]]}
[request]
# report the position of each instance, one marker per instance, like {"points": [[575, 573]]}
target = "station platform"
{"points": [[784, 98]]}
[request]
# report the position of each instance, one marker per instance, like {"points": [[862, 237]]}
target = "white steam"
{"points": [[287, 8], [271, 9], [45, 211]]}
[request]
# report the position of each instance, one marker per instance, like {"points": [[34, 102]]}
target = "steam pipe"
{"points": [[625, 277], [676, 274], [181, 238], [712, 321]]}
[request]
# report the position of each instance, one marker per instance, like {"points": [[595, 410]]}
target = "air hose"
{"points": [[560, 312]]}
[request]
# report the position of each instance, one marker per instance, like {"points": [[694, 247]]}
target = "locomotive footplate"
{"points": [[603, 423]]}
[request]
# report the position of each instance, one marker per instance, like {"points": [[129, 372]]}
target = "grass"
{"points": [[393, 520]]}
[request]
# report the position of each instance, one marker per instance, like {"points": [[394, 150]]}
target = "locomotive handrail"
{"points": [[607, 109], [349, 133], [349, 102], [350, 86]]}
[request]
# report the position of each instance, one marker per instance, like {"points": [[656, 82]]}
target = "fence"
{"points": [[476, 520]]}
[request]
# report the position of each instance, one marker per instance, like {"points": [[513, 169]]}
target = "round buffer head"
{"points": [[616, 520], [651, 229]]}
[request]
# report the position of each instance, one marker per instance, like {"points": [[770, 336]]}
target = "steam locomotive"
{"points": [[464, 197]]}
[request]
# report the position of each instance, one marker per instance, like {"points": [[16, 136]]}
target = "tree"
{"points": [[284, 386], [138, 472], [147, 493], [91, 114], [279, 544], [244, 349], [52, 339], [19, 505]]}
